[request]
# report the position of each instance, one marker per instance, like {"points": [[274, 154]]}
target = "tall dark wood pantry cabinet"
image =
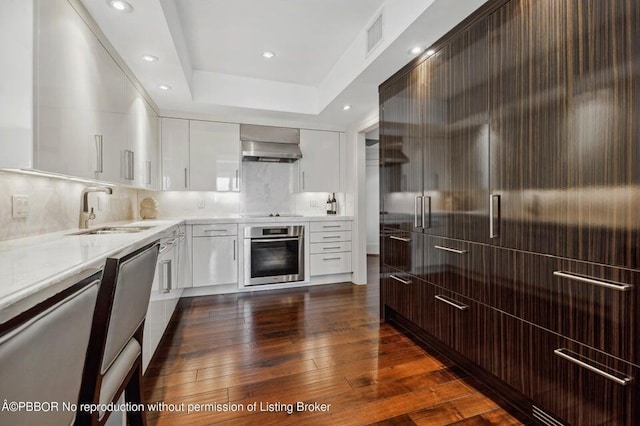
{"points": [[510, 200]]}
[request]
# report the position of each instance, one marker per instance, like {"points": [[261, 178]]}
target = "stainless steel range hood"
{"points": [[270, 144]]}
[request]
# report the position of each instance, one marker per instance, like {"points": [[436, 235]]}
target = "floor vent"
{"points": [[543, 417], [374, 34]]}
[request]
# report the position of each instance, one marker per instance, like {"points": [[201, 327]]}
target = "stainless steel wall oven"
{"points": [[273, 254]]}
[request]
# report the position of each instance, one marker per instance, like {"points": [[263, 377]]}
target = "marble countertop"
{"points": [[35, 268], [244, 219]]}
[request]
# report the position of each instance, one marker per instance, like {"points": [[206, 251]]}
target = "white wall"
{"points": [[356, 191], [372, 193]]}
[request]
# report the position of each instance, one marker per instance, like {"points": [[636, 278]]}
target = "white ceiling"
{"points": [[307, 36], [210, 54]]}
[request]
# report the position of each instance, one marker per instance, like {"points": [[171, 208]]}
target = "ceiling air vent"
{"points": [[374, 34]]}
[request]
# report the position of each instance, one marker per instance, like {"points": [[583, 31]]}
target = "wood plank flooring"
{"points": [[322, 345]]}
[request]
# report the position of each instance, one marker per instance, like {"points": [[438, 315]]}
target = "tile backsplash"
{"points": [[54, 204]]}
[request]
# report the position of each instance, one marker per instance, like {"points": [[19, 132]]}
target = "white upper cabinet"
{"points": [[90, 121], [175, 154], [16, 84], [81, 98], [214, 154], [143, 158], [320, 163]]}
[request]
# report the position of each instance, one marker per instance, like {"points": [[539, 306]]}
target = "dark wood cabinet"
{"points": [[401, 145], [523, 244]]}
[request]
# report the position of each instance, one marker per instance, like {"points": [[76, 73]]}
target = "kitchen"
{"points": [[234, 172]]}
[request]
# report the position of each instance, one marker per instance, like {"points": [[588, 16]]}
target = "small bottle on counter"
{"points": [[334, 204], [329, 204]]}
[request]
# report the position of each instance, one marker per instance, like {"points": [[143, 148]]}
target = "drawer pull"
{"points": [[404, 240], [405, 282], [564, 353], [608, 284], [451, 250], [332, 226], [452, 302], [215, 230], [331, 258], [333, 236], [331, 248]]}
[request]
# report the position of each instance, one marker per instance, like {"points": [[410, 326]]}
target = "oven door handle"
{"points": [[273, 240]]}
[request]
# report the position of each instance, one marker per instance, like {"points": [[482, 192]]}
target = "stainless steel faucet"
{"points": [[85, 214]]}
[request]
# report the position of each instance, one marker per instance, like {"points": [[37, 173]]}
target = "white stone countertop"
{"points": [[35, 268]]}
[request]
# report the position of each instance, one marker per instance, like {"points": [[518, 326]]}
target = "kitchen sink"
{"points": [[106, 230]]}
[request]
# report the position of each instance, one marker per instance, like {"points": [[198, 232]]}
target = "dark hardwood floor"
{"points": [[323, 345]]}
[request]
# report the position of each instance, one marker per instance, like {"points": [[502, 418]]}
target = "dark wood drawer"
{"points": [[402, 251], [593, 304], [459, 266], [571, 382]]}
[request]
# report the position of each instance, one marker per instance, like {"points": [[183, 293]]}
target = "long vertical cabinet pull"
{"points": [[148, 163], [492, 218], [418, 204], [234, 249], [185, 177], [132, 172], [237, 179], [426, 224], [166, 276], [303, 185], [99, 157]]}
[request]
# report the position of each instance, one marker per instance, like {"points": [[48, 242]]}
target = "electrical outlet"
{"points": [[201, 203], [314, 203], [20, 206]]}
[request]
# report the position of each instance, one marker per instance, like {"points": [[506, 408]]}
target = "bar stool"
{"points": [[42, 353], [114, 359]]}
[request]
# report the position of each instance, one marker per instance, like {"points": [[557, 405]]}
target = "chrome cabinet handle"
{"points": [[492, 227], [166, 274], [564, 353], [185, 177], [303, 182], [99, 156], [237, 178], [332, 226], [450, 249], [330, 237], [607, 284], [417, 202], [424, 209], [234, 249], [331, 248], [148, 172], [404, 240], [331, 258], [405, 282], [132, 170], [215, 230], [452, 302]]}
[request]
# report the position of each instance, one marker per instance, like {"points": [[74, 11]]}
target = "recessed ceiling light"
{"points": [[120, 5], [149, 58], [416, 50], [430, 52], [164, 87], [268, 55], [346, 107]]}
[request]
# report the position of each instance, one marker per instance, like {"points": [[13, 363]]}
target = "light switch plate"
{"points": [[20, 206], [314, 203], [201, 203]]}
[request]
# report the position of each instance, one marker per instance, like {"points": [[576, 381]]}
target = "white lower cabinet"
{"points": [[215, 259], [165, 294], [330, 248]]}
